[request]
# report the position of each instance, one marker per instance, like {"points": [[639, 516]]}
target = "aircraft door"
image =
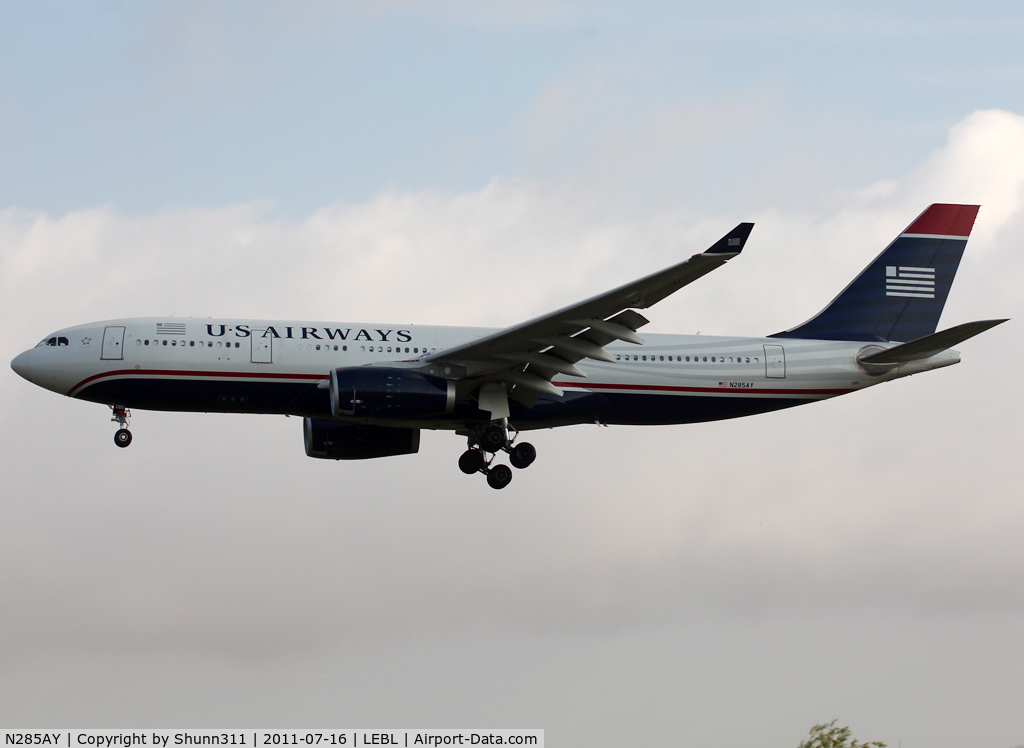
{"points": [[262, 347], [113, 344], [775, 361]]}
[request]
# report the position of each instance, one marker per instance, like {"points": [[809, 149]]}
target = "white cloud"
{"points": [[983, 163]]}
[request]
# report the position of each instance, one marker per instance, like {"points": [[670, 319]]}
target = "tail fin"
{"points": [[899, 297]]}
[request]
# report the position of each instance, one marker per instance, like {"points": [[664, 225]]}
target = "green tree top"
{"points": [[830, 736]]}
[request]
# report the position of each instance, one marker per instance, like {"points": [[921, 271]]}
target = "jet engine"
{"points": [[332, 440], [383, 392]]}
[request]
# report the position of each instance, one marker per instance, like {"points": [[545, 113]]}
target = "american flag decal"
{"points": [[917, 283], [170, 328]]}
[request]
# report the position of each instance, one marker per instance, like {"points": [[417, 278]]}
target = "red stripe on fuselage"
{"points": [[564, 385], [716, 390], [190, 373]]}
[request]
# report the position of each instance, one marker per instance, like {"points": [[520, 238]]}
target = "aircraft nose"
{"points": [[22, 365], [34, 366]]}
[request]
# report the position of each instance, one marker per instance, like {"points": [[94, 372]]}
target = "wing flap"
{"points": [[630, 319], [607, 331], [575, 347], [533, 382], [554, 364]]}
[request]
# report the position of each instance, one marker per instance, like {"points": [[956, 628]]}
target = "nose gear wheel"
{"points": [[121, 416]]}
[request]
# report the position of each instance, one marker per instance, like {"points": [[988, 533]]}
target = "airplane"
{"points": [[366, 390]]}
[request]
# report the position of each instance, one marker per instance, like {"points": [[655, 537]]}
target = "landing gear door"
{"points": [[262, 347], [775, 361], [113, 344]]}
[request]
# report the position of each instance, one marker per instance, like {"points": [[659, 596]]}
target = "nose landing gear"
{"points": [[121, 415], [485, 443]]}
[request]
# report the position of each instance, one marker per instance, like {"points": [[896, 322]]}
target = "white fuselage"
{"points": [[196, 365]]}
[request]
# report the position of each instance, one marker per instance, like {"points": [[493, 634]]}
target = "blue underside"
{"points": [[309, 400]]}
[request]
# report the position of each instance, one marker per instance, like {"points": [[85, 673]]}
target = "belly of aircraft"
{"points": [[308, 399]]}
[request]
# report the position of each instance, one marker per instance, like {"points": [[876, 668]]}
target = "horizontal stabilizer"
{"points": [[929, 345]]}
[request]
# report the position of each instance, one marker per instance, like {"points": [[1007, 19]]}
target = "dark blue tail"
{"points": [[899, 296]]}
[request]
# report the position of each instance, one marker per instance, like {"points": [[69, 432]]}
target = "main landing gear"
{"points": [[121, 415], [485, 443]]}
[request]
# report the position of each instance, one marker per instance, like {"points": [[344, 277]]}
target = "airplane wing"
{"points": [[530, 354]]}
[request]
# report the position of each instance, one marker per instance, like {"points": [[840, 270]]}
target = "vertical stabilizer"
{"points": [[899, 296]]}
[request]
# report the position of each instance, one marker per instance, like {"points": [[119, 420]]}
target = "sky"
{"points": [[460, 163]]}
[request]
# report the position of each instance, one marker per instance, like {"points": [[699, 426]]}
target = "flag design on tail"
{"points": [[900, 295], [914, 283]]}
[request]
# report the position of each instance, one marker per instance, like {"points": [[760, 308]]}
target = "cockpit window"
{"points": [[52, 341]]}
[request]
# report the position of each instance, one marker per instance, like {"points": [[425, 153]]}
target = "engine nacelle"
{"points": [[332, 440], [383, 392]]}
